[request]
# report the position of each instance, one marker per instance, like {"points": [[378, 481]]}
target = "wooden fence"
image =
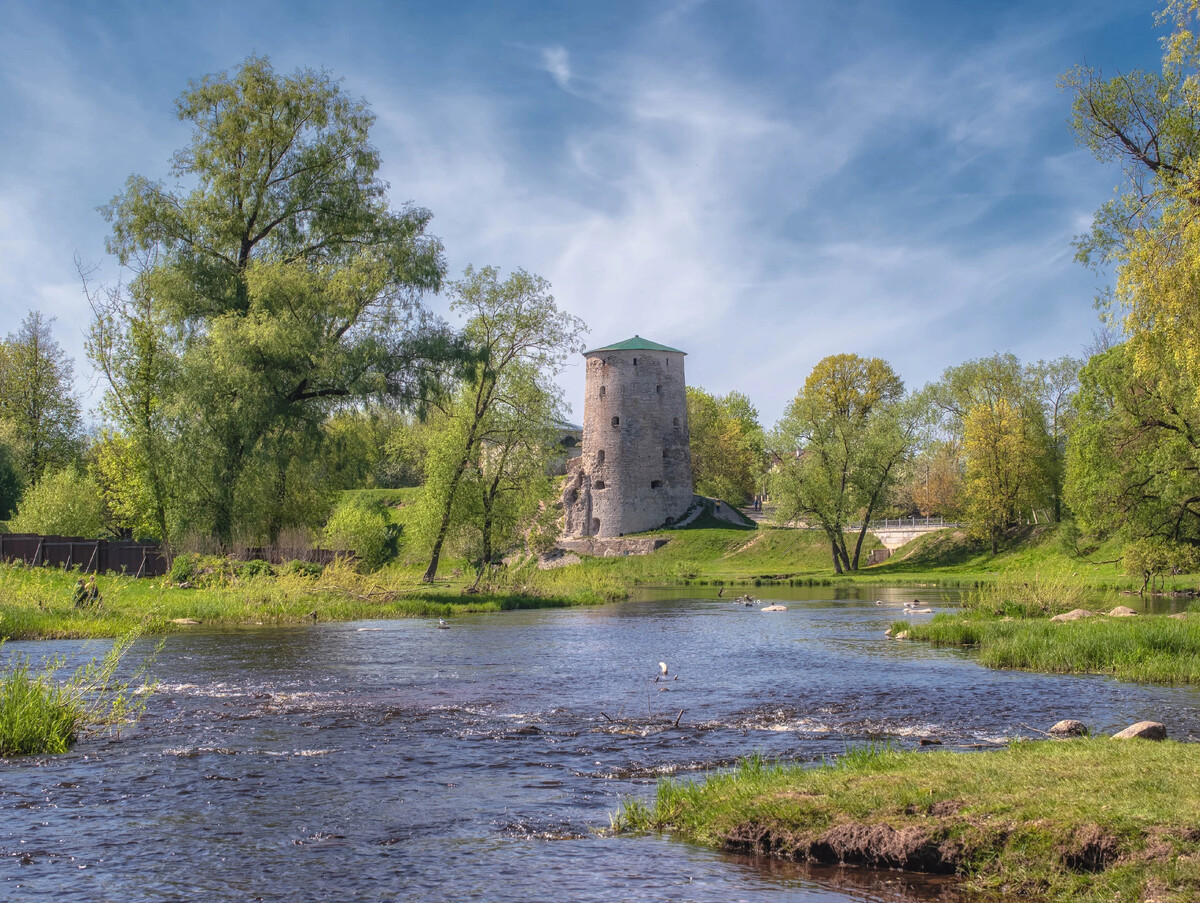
{"points": [[141, 559]]}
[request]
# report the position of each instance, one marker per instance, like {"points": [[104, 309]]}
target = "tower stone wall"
{"points": [[635, 472]]}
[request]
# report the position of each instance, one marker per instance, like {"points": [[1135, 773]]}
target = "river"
{"points": [[393, 760]]}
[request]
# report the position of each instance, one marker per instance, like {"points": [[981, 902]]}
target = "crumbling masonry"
{"points": [[635, 472]]}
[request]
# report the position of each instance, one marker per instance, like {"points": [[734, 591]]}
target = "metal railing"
{"points": [[901, 523]]}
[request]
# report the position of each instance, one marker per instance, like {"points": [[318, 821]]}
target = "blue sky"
{"points": [[758, 183]]}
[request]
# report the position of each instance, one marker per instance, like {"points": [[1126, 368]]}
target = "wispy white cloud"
{"points": [[892, 202], [557, 62]]}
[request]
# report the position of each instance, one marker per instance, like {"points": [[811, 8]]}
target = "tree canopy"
{"points": [[273, 283], [839, 445]]}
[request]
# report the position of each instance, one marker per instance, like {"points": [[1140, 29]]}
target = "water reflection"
{"points": [[392, 759]]}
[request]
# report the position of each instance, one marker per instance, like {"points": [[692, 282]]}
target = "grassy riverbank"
{"points": [[1146, 648], [1091, 820], [37, 602]]}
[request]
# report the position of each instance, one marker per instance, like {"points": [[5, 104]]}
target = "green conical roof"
{"points": [[637, 343]]}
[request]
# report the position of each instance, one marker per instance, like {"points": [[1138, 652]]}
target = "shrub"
{"points": [[65, 502], [40, 715], [248, 570], [301, 568], [360, 525], [202, 570]]}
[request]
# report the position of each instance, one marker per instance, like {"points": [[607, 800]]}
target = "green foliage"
{"points": [[278, 288], [124, 479], [66, 502], [485, 470], [296, 568], [12, 484], [1008, 421], [726, 443], [840, 444], [1150, 559], [40, 715], [360, 525], [38, 407], [248, 570], [1133, 463]]}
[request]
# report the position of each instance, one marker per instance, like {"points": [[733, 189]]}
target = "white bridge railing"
{"points": [[911, 523]]}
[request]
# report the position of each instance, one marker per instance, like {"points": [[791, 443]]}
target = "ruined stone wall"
{"points": [[636, 469]]}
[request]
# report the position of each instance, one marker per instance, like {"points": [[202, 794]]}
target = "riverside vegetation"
{"points": [[1009, 624], [41, 714], [1088, 820]]}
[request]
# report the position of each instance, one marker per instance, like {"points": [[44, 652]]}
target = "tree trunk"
{"points": [[444, 527], [858, 543], [837, 562]]}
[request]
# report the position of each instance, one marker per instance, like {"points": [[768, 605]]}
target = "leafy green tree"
{"points": [[12, 482], [1149, 122], [521, 340], [726, 444], [995, 410], [64, 502], [1056, 384], [1133, 460], [360, 525], [37, 398], [1001, 445], [283, 284], [123, 481], [840, 443], [1131, 467], [129, 343]]}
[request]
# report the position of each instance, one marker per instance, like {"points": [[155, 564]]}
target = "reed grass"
{"points": [[39, 714], [1087, 820], [1152, 649]]}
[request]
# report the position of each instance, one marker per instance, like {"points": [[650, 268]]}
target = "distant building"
{"points": [[568, 444], [635, 470]]}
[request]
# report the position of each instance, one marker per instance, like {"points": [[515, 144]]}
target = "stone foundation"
{"points": [[612, 548]]}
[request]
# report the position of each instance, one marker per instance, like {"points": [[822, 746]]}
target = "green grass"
{"points": [[951, 557], [1146, 648], [40, 714], [36, 602], [715, 552], [1088, 820]]}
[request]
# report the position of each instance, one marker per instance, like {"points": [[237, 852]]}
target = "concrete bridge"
{"points": [[894, 533]]}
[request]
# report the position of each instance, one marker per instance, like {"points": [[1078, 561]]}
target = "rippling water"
{"points": [[392, 760]]}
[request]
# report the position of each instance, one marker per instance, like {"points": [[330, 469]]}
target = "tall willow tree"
{"points": [[277, 284], [1133, 469]]}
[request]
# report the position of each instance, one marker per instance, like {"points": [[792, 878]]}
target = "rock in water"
{"points": [[1122, 611], [774, 608], [1074, 615], [1069, 727], [1143, 730]]}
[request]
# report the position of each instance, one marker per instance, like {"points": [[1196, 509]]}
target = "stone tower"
{"points": [[635, 472]]}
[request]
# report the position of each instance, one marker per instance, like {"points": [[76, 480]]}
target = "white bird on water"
{"points": [[663, 666], [442, 625]]}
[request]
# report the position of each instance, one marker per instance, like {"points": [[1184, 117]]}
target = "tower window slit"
{"points": [[616, 421], [656, 484]]}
